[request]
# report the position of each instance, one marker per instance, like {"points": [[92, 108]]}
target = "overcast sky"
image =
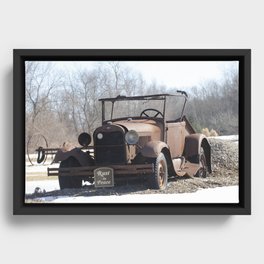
{"points": [[182, 74], [169, 73]]}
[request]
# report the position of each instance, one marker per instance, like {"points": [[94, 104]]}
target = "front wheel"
{"points": [[160, 178], [66, 182]]}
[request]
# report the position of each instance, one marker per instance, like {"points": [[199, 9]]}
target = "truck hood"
{"points": [[144, 127]]}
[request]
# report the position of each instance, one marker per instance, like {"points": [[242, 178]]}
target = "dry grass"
{"points": [[211, 133]]}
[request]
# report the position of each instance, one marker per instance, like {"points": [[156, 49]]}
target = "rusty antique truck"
{"points": [[140, 136]]}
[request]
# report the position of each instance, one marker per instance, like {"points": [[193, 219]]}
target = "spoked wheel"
{"points": [[35, 146], [160, 178], [202, 172]]}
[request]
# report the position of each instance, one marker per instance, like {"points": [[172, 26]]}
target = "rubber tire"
{"points": [[203, 171], [67, 182], [158, 181]]}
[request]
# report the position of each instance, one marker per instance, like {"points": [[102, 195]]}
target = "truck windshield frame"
{"points": [[155, 97]]}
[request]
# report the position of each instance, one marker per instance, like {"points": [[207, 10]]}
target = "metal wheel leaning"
{"points": [[35, 142], [160, 178]]}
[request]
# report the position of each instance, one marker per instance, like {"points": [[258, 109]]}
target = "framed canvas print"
{"points": [[132, 132]]}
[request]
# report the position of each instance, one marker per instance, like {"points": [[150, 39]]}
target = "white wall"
{"points": [[130, 24]]}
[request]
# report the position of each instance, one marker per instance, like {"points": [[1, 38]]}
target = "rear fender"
{"points": [[192, 149]]}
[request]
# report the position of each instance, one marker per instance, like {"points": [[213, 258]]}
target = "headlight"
{"points": [[84, 139], [100, 136], [131, 137]]}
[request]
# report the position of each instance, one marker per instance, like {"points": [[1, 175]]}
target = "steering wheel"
{"points": [[143, 113]]}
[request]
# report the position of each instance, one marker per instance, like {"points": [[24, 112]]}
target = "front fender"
{"points": [[153, 148], [84, 158]]}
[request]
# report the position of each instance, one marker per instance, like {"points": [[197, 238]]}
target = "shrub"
{"points": [[206, 132], [211, 133]]}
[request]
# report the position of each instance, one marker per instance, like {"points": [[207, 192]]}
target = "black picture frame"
{"points": [[241, 55]]}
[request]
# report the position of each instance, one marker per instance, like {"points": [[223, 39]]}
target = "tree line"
{"points": [[215, 105]]}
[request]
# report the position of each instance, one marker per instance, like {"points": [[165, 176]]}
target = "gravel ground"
{"points": [[225, 173]]}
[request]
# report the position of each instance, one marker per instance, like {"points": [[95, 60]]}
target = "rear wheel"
{"points": [[160, 178], [202, 172]]}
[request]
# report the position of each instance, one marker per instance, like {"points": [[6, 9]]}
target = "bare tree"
{"points": [[85, 87], [40, 83]]}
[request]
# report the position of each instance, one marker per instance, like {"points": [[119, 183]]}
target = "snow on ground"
{"points": [[39, 169], [216, 195], [48, 185], [233, 138]]}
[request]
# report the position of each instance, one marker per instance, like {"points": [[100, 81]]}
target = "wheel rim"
{"points": [[161, 174]]}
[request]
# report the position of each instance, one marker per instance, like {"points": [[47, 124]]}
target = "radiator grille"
{"points": [[110, 149]]}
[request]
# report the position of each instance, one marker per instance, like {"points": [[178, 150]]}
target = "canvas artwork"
{"points": [[124, 131]]}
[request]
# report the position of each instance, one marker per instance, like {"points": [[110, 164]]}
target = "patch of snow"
{"points": [[36, 169], [48, 185], [213, 195], [228, 138]]}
